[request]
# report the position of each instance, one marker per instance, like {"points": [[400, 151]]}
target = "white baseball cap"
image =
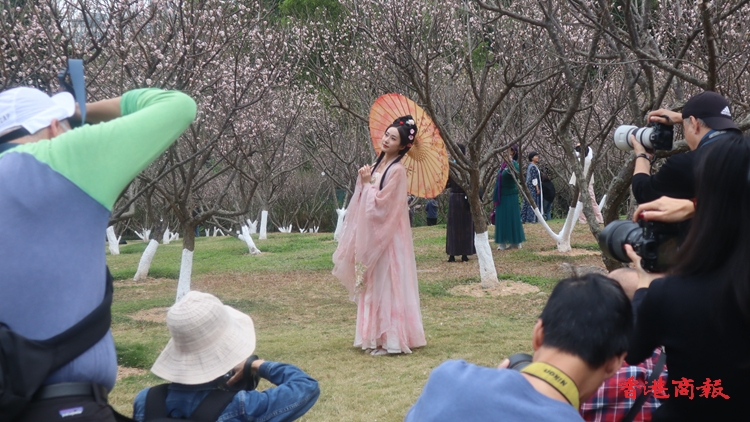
{"points": [[32, 109]]}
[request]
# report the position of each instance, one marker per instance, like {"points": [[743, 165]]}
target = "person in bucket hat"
{"points": [[210, 349], [58, 186]]}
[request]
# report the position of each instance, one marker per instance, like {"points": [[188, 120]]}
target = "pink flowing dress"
{"points": [[375, 262]]}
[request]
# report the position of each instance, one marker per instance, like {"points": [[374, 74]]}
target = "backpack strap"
{"points": [[25, 364], [209, 409], [212, 406], [72, 342], [641, 399], [156, 402]]}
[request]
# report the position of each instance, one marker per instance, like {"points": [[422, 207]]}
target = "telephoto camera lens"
{"points": [[642, 134], [657, 136], [616, 235]]}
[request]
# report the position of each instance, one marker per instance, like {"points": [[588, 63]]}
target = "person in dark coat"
{"points": [[432, 211], [533, 182], [548, 194], [460, 228]]}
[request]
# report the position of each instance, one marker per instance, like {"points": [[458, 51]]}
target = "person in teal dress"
{"points": [[508, 227]]}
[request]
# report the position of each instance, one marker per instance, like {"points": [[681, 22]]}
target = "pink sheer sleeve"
{"points": [[343, 257], [382, 209], [369, 227]]}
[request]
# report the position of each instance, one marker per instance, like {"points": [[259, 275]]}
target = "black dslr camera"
{"points": [[248, 382], [519, 361], [656, 243]]}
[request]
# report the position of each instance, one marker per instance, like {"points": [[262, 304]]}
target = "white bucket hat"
{"points": [[208, 340], [32, 109]]}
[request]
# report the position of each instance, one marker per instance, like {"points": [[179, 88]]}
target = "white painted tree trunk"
{"points": [[563, 238], [601, 203], [339, 223], [113, 241], [145, 263], [245, 237], [218, 230], [487, 271], [144, 235], [263, 224], [253, 225], [186, 272], [167, 237]]}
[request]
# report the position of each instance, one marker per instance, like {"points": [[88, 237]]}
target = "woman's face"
{"points": [[391, 142], [535, 159]]}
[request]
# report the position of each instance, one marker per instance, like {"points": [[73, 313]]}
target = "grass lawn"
{"points": [[303, 316]]}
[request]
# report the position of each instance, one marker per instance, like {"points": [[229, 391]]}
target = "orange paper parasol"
{"points": [[427, 161]]}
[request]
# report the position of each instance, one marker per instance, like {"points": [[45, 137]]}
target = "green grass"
{"points": [[302, 314]]}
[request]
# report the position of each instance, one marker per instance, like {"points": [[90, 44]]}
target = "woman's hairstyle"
{"points": [[719, 238], [514, 148], [532, 154], [407, 132]]}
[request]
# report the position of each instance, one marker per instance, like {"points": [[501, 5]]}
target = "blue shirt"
{"points": [[56, 197], [295, 394], [460, 391]]}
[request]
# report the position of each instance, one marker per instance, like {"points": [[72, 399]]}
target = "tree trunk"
{"points": [[113, 241], [339, 223], [186, 266], [263, 224], [145, 263], [245, 237], [487, 271]]}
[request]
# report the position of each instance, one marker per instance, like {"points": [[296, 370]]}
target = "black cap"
{"points": [[710, 107]]}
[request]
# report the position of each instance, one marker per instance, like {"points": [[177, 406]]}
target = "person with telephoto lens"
{"points": [[706, 118], [700, 312]]}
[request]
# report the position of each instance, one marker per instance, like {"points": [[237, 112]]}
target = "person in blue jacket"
{"points": [[209, 347]]}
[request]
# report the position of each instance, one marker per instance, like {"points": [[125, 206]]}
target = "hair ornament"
{"points": [[409, 144], [411, 131], [401, 122], [410, 122]]}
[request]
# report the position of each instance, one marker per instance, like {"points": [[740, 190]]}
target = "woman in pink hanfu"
{"points": [[375, 256]]}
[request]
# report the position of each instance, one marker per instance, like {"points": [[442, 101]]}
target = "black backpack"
{"points": [[208, 410], [25, 364]]}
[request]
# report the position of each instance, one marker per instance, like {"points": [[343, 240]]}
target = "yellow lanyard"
{"points": [[556, 378]]}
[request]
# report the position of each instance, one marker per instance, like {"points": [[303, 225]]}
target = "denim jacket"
{"points": [[294, 395]]}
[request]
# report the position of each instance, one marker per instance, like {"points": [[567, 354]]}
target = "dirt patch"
{"points": [[151, 315], [504, 288], [126, 371], [143, 283], [572, 252]]}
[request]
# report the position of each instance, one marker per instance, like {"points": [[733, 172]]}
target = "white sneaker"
{"points": [[378, 352], [502, 247]]}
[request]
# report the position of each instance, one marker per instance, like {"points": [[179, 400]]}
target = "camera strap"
{"points": [[77, 85], [557, 379]]}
